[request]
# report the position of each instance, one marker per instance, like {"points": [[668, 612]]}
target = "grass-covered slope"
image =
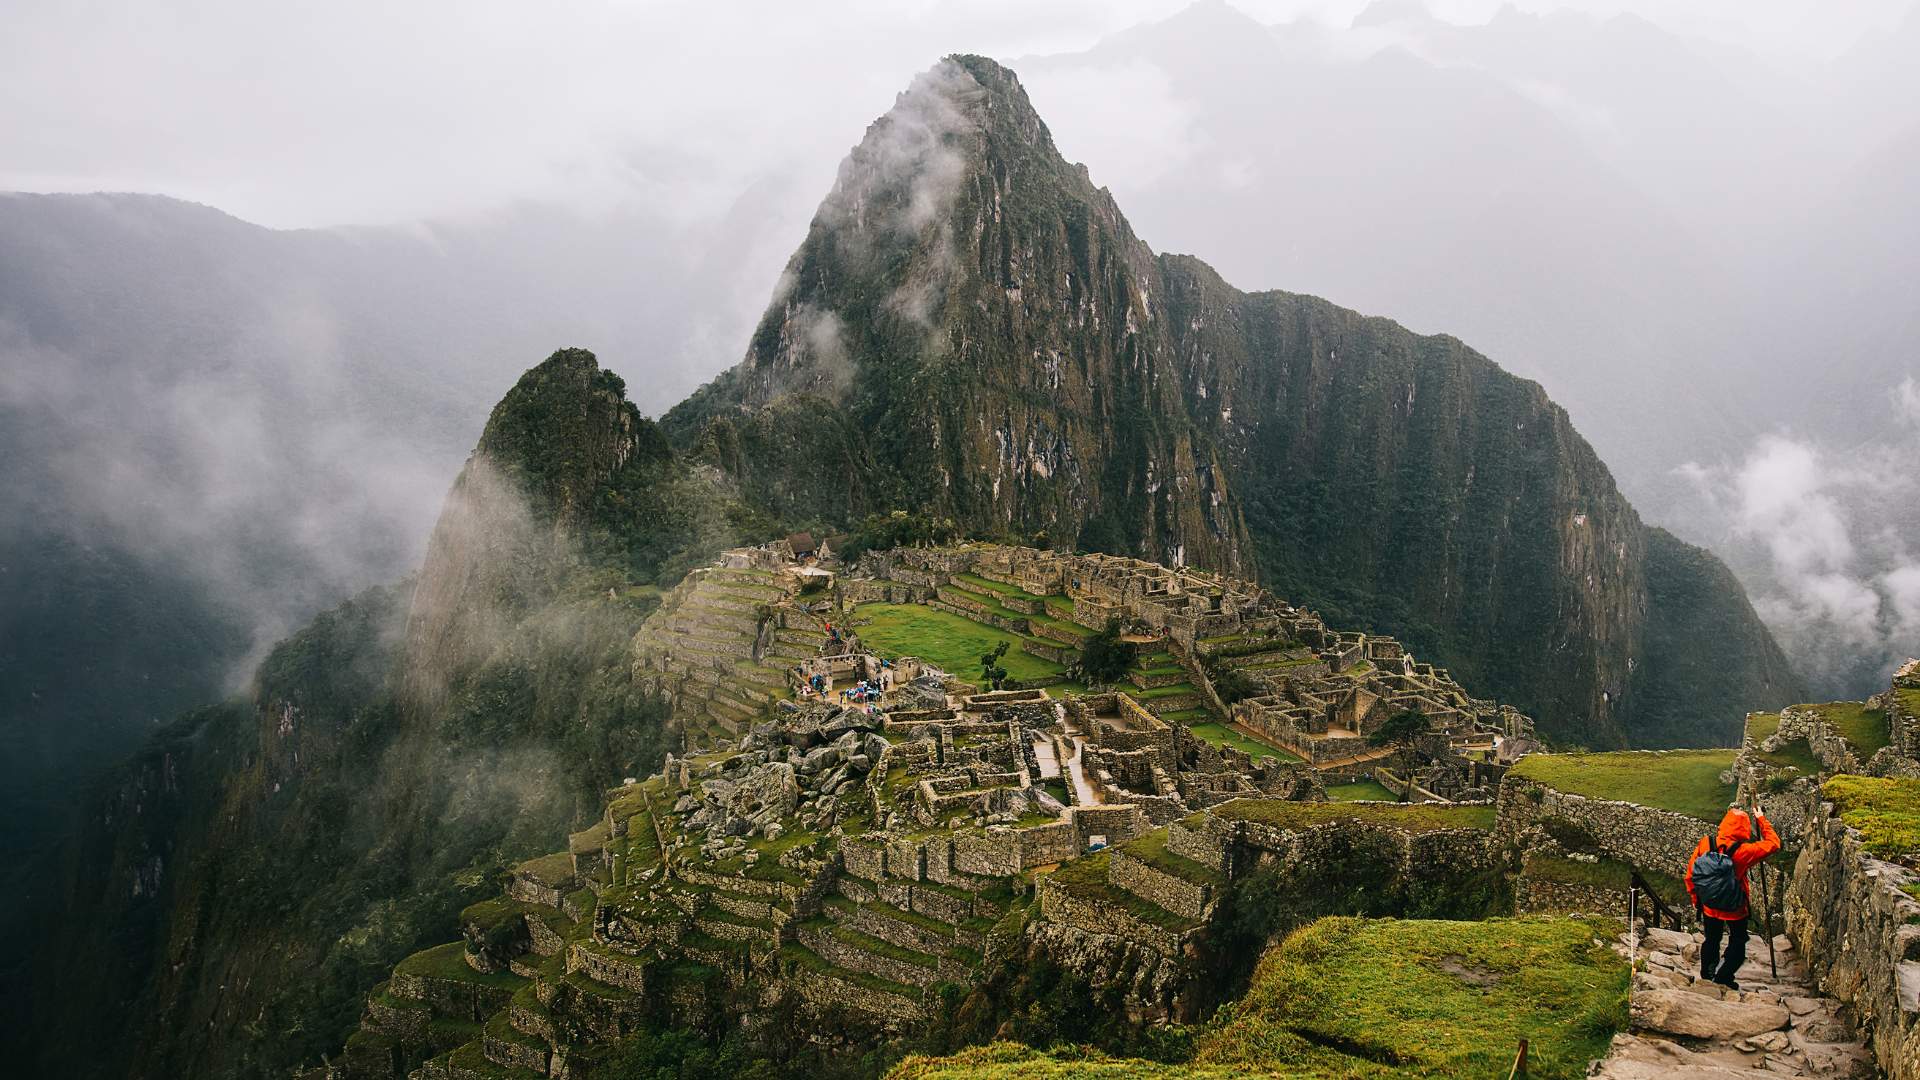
{"points": [[1356, 998], [1684, 781]]}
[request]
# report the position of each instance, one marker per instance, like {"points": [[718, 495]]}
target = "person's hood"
{"points": [[1735, 828]]}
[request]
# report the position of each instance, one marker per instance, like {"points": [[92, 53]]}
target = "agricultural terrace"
{"points": [[1381, 998], [1865, 728], [1683, 781], [1219, 734], [947, 641], [1413, 817]]}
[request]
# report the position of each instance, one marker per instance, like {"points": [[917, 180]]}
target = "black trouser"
{"points": [[1736, 954]]}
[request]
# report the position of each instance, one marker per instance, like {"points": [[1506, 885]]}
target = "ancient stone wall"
{"points": [[1044, 844], [1189, 899], [1537, 896], [1117, 823], [1860, 936], [1640, 835]]}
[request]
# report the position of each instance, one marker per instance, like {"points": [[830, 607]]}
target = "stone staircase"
{"points": [[1686, 1028]]}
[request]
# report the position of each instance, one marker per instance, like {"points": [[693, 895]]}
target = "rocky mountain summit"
{"points": [[972, 327]]}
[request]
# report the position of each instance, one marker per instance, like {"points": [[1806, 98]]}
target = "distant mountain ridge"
{"points": [[972, 327]]}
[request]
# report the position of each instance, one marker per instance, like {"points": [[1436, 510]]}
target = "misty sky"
{"points": [[1697, 234], [296, 115]]}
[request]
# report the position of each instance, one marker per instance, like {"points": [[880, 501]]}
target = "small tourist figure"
{"points": [[1717, 882]]}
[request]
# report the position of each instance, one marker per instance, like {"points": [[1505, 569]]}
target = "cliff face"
{"points": [[235, 890], [971, 327]]}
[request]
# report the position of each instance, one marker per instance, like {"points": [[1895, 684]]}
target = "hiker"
{"points": [[1717, 882]]}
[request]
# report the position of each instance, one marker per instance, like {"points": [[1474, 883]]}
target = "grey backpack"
{"points": [[1715, 883]]}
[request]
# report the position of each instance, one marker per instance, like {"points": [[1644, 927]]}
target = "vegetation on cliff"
{"points": [[289, 848]]}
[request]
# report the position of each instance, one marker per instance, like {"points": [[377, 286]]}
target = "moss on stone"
{"points": [[1886, 811]]}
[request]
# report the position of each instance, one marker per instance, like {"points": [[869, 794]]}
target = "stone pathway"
{"points": [[1044, 756], [1083, 792], [1690, 1029]]}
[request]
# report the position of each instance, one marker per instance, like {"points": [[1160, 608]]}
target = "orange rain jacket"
{"points": [[1736, 829]]}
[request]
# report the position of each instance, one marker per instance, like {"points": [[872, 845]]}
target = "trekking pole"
{"points": [[1766, 905]]}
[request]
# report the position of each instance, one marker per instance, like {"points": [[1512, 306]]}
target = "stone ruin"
{"points": [[795, 768]]}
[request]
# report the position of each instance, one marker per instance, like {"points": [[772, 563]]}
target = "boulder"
{"points": [[1677, 1012], [1632, 1057]]}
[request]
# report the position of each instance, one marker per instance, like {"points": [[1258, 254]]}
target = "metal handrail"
{"points": [[1638, 884]]}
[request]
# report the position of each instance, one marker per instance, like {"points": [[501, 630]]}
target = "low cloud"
{"points": [[1906, 400], [1831, 568]]}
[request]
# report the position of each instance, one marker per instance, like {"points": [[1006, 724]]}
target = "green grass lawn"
{"points": [[1886, 811], [1794, 754], [1414, 817], [945, 640], [1221, 735], [1684, 781], [1761, 726], [1359, 791], [1865, 728], [1345, 998]]}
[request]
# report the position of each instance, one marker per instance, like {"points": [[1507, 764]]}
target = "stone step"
{"points": [[826, 983], [1774, 1025], [714, 633], [470, 1062], [694, 656], [772, 678], [733, 714], [704, 948]]}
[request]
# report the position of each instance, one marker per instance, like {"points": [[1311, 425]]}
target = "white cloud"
{"points": [[1840, 586], [1906, 400]]}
